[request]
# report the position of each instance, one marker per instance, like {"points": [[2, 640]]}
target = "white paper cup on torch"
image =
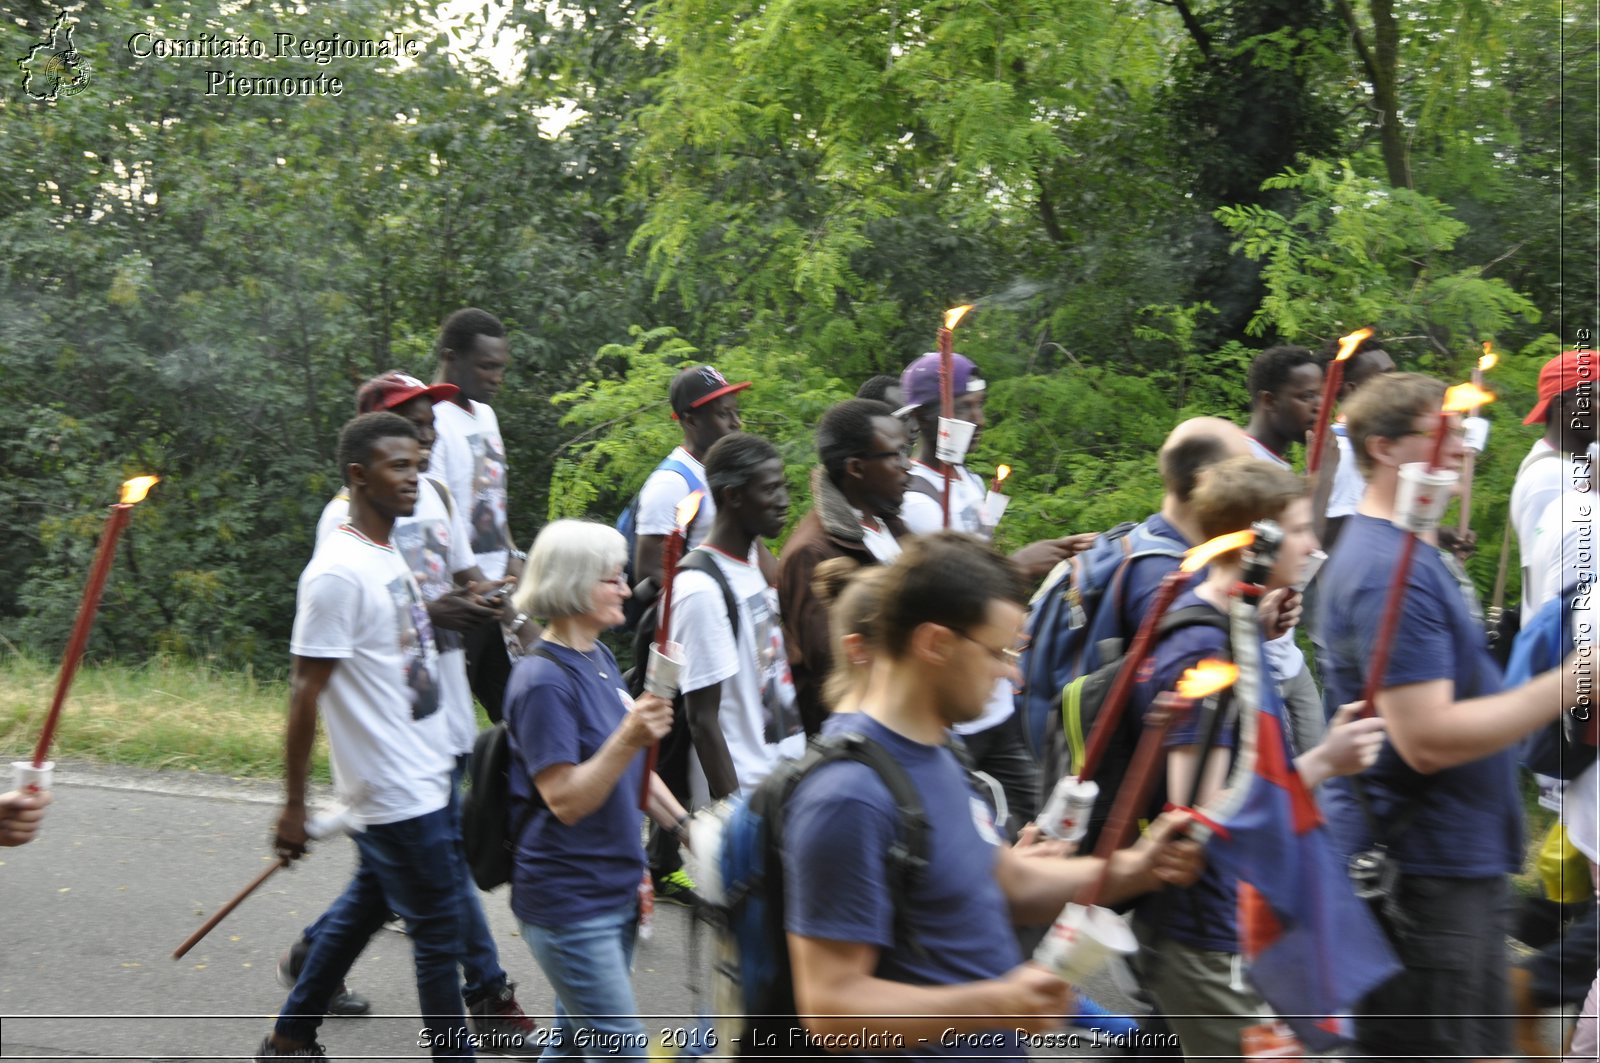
{"points": [[27, 777], [955, 436], [1066, 815], [1314, 562], [1082, 941], [1422, 497], [1476, 433], [661, 675], [994, 507]]}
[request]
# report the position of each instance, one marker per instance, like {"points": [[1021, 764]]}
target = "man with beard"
{"points": [[856, 493]]}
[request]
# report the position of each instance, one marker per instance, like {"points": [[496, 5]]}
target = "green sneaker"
{"points": [[676, 888]]}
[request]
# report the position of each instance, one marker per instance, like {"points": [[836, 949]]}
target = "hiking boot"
{"points": [[676, 888], [343, 1002], [312, 1051], [500, 1026]]}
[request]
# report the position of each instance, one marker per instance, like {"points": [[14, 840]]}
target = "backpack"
{"points": [[1080, 705], [1067, 627], [486, 807], [754, 982], [644, 632], [1564, 747], [628, 524]]}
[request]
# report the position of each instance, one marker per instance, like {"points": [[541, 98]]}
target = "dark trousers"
{"points": [[488, 667]]}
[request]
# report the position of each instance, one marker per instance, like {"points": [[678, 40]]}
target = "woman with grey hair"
{"points": [[577, 772]]}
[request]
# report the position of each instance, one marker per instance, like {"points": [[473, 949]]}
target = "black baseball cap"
{"points": [[698, 385]]}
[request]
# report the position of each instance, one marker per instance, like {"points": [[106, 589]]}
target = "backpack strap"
{"points": [[700, 561], [444, 496], [536, 801], [908, 855], [670, 464]]}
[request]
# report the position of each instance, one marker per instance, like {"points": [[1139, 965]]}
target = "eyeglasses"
{"points": [[620, 579], [1010, 656], [904, 454]]}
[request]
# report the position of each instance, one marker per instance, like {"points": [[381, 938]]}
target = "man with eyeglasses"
{"points": [[1442, 802], [929, 963], [856, 491]]}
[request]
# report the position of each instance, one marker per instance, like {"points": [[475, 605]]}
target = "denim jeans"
{"points": [[408, 867], [480, 961], [588, 965]]}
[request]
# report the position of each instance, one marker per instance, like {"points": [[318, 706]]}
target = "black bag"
{"points": [[486, 807]]}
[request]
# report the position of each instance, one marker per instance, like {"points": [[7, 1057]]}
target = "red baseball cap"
{"points": [[1560, 375], [395, 388], [698, 385]]}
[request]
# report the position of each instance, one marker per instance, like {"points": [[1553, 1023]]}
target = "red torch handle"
{"points": [[947, 406], [1105, 725], [1134, 793], [82, 625], [1330, 392], [1379, 664]]}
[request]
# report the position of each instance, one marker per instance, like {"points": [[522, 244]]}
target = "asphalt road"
{"points": [[131, 862]]}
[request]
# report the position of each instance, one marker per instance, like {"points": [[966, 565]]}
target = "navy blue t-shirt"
{"points": [[1201, 915], [563, 874], [1144, 576], [841, 821], [1470, 821]]}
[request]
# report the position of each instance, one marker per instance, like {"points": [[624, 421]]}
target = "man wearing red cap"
{"points": [[434, 542], [1566, 409]]}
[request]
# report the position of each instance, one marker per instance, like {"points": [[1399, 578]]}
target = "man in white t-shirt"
{"points": [[470, 457], [1368, 361], [365, 659], [433, 541], [738, 693], [994, 740], [1555, 462]]}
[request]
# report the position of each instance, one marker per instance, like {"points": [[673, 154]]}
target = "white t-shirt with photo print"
{"points": [[471, 457], [433, 541], [757, 715], [358, 604]]}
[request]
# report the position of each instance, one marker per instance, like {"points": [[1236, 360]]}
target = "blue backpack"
{"points": [[1071, 618], [755, 985], [628, 525], [1558, 749]]}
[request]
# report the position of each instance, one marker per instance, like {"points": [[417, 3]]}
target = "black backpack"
{"points": [[486, 808], [644, 632], [1080, 705]]}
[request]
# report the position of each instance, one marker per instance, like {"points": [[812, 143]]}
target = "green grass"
{"points": [[166, 713]]}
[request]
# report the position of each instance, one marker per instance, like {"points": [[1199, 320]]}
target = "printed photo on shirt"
{"points": [[488, 492], [777, 684], [416, 648]]}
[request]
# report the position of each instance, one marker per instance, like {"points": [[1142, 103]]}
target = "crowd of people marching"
{"points": [[888, 620]]}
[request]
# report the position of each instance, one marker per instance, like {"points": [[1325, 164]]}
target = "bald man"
{"points": [[1190, 448]]}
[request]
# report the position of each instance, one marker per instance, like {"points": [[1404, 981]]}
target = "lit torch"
{"points": [[1477, 437], [1111, 709], [995, 503], [1204, 679], [666, 656], [1330, 395], [1420, 499], [947, 399], [35, 775]]}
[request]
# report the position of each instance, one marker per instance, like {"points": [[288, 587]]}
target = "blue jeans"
{"points": [[480, 961], [409, 867], [588, 964]]}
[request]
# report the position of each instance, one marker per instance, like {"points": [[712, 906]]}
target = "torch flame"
{"points": [[1207, 678], [1487, 362], [1464, 397], [955, 314], [1348, 344], [1199, 557], [135, 489], [1000, 474], [687, 508]]}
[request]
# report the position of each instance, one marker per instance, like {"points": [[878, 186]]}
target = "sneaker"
{"points": [[311, 1051], [343, 1002], [500, 1026], [676, 888]]}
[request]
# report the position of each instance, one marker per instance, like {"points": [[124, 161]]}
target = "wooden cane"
{"points": [[222, 913]]}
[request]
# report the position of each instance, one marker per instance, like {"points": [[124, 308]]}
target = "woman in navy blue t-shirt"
{"points": [[576, 741]]}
